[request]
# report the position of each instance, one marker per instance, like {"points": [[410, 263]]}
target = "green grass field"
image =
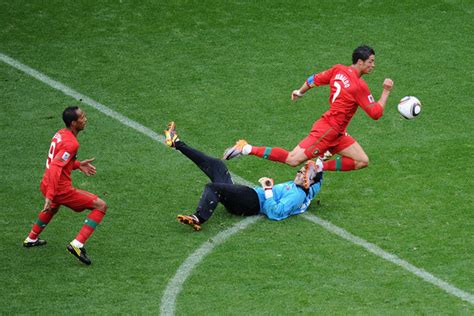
{"points": [[224, 71]]}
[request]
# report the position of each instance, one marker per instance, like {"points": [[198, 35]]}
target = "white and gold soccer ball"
{"points": [[409, 107]]}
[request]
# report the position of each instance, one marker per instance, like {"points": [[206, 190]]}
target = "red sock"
{"points": [[273, 154], [40, 224], [339, 164], [90, 224]]}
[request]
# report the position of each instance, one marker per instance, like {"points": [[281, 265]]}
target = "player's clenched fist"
{"points": [[296, 94], [388, 84]]}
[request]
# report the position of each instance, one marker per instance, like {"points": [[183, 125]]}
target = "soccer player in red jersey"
{"points": [[328, 134], [57, 188]]}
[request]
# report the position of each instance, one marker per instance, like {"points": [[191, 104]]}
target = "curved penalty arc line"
{"points": [[174, 286]]}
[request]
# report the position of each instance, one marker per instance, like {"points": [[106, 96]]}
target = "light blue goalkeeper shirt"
{"points": [[288, 199]]}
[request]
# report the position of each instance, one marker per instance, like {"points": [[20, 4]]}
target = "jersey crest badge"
{"points": [[66, 156]]}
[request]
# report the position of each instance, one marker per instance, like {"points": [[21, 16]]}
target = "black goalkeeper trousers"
{"points": [[237, 199]]}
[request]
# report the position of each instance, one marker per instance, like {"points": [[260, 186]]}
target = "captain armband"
{"points": [[310, 81]]}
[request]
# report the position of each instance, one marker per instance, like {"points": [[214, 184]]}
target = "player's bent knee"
{"points": [[210, 186], [296, 157], [54, 210], [100, 205]]}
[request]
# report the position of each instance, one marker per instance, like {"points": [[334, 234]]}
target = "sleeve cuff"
{"points": [[268, 193], [76, 165]]}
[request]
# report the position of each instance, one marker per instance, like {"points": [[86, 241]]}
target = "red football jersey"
{"points": [[348, 91], [61, 161]]}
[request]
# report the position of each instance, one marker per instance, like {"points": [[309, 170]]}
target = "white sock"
{"points": [[319, 165], [77, 243], [28, 239], [247, 149]]}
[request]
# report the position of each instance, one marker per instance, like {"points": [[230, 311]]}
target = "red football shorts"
{"points": [[323, 137], [75, 199]]}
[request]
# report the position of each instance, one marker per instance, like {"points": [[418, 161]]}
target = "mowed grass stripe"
{"points": [[186, 268]]}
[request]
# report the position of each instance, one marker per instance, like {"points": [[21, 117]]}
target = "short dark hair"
{"points": [[70, 115], [362, 52]]}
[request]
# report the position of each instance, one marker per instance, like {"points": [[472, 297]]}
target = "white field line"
{"points": [[376, 250], [175, 284], [78, 96]]}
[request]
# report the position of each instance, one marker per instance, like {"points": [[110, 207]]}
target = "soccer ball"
{"points": [[409, 107]]}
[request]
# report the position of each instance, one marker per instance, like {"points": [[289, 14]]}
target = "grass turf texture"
{"points": [[222, 72]]}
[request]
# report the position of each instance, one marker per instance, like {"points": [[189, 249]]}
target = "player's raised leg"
{"points": [[241, 147], [312, 146], [214, 168]]}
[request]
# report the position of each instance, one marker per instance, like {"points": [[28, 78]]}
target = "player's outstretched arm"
{"points": [[87, 168]]}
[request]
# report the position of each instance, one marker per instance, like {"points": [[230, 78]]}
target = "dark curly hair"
{"points": [[362, 52]]}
